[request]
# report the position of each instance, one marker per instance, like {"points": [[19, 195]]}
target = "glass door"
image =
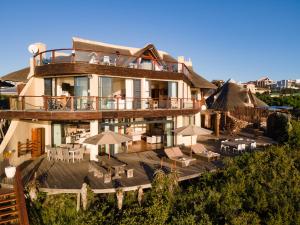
{"points": [[81, 92]]}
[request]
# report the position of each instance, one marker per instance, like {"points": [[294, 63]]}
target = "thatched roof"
{"points": [[199, 82], [231, 95], [17, 76]]}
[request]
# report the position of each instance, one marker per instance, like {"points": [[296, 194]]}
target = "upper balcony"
{"points": [[69, 61]]}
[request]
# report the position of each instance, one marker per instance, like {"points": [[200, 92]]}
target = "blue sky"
{"points": [[243, 40]]}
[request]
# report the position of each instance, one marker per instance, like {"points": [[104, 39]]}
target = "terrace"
{"points": [[68, 56]]}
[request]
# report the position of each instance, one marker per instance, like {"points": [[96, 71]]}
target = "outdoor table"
{"points": [[73, 151], [234, 144], [114, 163]]}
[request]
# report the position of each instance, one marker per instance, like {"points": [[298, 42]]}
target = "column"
{"points": [[94, 126]]}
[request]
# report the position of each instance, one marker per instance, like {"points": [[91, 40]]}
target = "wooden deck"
{"points": [[63, 177]]}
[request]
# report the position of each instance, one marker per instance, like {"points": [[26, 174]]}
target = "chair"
{"points": [[59, 154], [151, 140], [106, 60], [51, 153], [176, 155], [223, 146], [107, 178], [79, 154], [129, 173], [66, 154], [202, 152]]}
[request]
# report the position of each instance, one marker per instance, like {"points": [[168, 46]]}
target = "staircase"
{"points": [[8, 207], [12, 203]]}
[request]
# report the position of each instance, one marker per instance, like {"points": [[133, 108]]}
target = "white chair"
{"points": [[151, 140], [106, 60], [224, 146]]}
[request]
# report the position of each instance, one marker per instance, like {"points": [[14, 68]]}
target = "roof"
{"points": [[231, 95], [79, 43], [17, 76], [199, 82]]}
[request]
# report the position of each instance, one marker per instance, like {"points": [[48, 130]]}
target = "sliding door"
{"points": [[81, 92]]}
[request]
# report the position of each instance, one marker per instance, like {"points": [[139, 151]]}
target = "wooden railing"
{"points": [[69, 55], [20, 198], [27, 147], [94, 103]]}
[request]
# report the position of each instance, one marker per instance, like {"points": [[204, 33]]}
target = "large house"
{"points": [[71, 94]]}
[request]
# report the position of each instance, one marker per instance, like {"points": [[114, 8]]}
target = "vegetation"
{"points": [[279, 126], [254, 188], [292, 100]]}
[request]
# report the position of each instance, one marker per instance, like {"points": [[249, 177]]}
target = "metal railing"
{"points": [[69, 55], [95, 103]]}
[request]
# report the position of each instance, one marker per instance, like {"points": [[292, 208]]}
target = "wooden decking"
{"points": [[63, 177]]}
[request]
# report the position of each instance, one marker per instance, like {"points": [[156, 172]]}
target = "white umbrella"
{"points": [[191, 130], [107, 137]]}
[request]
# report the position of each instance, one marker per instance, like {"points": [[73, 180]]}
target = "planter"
{"points": [[10, 171]]}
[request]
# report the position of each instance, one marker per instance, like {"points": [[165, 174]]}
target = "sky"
{"points": [[242, 40]]}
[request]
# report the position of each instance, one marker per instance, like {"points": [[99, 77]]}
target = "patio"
{"points": [[62, 177]]}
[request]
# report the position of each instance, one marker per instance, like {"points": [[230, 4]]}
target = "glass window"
{"points": [[48, 86]]}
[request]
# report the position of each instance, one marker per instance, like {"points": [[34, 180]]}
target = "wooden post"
{"points": [[78, 202], [19, 148], [53, 57], [97, 103], [217, 124], [23, 103], [72, 103]]}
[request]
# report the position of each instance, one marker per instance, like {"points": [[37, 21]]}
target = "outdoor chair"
{"points": [[129, 172], [66, 154], [223, 146], [79, 154], [176, 155], [107, 178], [59, 154], [202, 152]]}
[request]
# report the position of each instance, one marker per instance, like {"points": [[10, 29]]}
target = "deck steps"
{"points": [[8, 207]]}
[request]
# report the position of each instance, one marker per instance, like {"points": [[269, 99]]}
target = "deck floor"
{"points": [[54, 176]]}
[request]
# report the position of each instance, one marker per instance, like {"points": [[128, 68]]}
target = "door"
{"points": [[137, 93], [57, 134], [38, 142], [81, 91]]}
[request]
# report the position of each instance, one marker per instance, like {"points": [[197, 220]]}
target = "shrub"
{"points": [[278, 126]]}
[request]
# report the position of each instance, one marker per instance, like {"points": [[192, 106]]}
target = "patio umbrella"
{"points": [[107, 137], [191, 130]]}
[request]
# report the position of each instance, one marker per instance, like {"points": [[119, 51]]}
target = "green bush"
{"points": [[278, 126], [294, 135]]}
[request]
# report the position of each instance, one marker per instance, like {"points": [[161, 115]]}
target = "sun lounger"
{"points": [[176, 155], [202, 152]]}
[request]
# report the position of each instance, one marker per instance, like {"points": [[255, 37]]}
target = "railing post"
{"points": [[181, 103], [118, 103], [97, 103], [45, 98], [194, 103], [53, 57], [23, 103], [72, 103], [41, 58]]}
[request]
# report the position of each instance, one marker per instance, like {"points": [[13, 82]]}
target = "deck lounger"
{"points": [[176, 155], [202, 152]]}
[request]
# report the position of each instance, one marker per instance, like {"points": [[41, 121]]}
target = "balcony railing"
{"points": [[110, 59], [94, 103]]}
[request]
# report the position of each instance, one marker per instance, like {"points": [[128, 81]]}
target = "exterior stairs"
{"points": [[8, 207]]}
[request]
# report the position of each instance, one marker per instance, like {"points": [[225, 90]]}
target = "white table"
{"points": [[73, 151]]}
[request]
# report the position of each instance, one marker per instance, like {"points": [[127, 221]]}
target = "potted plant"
{"points": [[10, 171]]}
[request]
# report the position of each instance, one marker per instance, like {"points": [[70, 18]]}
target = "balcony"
{"points": [[113, 60], [93, 107]]}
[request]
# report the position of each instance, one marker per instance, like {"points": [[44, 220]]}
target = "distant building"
{"points": [[251, 86], [294, 84], [264, 82]]}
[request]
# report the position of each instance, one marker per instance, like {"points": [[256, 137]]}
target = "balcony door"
{"points": [[137, 93], [81, 92]]}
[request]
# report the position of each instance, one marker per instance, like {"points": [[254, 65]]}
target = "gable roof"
{"points": [[231, 95], [17, 76]]}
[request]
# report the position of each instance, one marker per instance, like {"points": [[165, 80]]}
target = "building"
{"points": [[264, 82], [75, 93], [294, 84]]}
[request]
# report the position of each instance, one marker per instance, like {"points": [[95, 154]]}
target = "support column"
{"points": [[94, 128], [179, 123], [217, 124], [143, 93]]}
